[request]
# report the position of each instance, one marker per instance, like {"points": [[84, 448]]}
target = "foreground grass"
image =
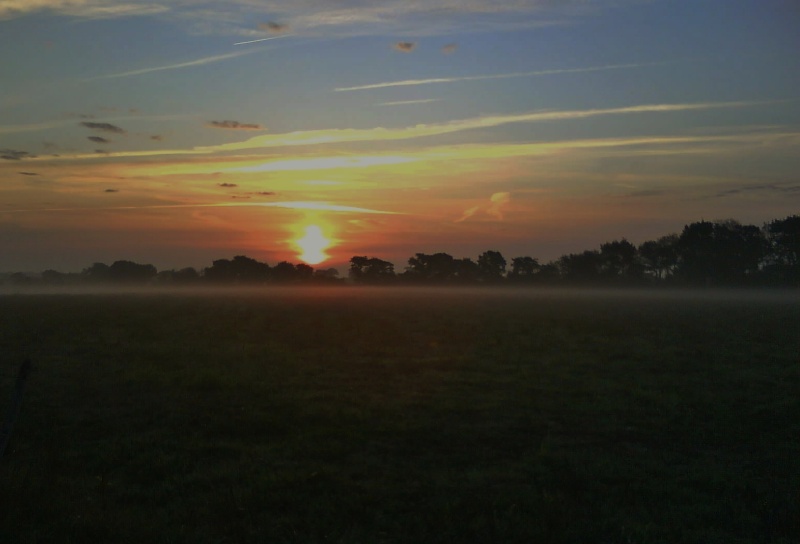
{"points": [[366, 417]]}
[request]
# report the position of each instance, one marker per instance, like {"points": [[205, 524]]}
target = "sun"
{"points": [[313, 245]]}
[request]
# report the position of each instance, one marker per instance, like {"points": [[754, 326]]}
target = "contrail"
{"points": [[261, 40], [408, 82]]}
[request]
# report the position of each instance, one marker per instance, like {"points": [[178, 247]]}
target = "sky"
{"points": [[176, 132]]}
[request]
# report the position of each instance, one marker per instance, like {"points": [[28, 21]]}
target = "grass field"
{"points": [[365, 416]]}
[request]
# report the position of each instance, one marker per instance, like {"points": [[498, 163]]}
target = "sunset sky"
{"points": [[174, 132]]}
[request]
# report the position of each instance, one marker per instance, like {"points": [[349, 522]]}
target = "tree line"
{"points": [[719, 253]]}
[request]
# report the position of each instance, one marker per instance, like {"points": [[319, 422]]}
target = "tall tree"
{"points": [[659, 257], [438, 268], [619, 261], [523, 269], [783, 261], [370, 270], [492, 266]]}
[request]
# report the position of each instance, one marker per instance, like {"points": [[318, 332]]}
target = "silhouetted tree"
{"points": [[437, 268], [131, 272], [329, 275], [178, 277], [523, 269], [52, 277], [492, 266], [284, 271], [783, 260], [466, 270], [304, 272], [619, 261], [659, 258], [371, 270], [581, 267], [239, 270], [96, 272], [725, 252]]}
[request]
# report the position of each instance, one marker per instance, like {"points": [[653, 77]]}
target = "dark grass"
{"points": [[363, 416]]}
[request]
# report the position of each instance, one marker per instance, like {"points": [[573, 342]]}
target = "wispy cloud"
{"points": [[274, 27], [187, 64], [497, 203], [314, 137], [450, 48], [289, 205], [104, 127], [234, 125], [430, 81], [87, 9], [98, 139], [405, 47], [14, 154], [408, 102]]}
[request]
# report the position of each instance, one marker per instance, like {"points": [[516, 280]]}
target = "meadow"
{"points": [[357, 415]]}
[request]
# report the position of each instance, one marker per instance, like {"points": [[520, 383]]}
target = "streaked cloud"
{"points": [[289, 205], [14, 154], [408, 102], [28, 173], [405, 47], [314, 137], [450, 48], [87, 9], [103, 127], [498, 202], [534, 73], [227, 185], [234, 125], [98, 139], [274, 27]]}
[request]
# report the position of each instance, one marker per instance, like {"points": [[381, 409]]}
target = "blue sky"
{"points": [[151, 131]]}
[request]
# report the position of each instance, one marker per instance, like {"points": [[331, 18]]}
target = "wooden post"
{"points": [[13, 409]]}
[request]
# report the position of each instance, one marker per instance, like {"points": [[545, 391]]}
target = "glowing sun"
{"points": [[313, 245]]}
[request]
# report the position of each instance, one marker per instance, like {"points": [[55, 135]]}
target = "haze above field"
{"points": [[175, 133]]}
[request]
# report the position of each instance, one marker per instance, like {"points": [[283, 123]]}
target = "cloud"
{"points": [[407, 102], [227, 185], [468, 213], [314, 137], [265, 193], [234, 125], [273, 27], [405, 47], [86, 9], [111, 191], [98, 139], [157, 137], [449, 48], [534, 73], [104, 127], [499, 201], [14, 154], [28, 173]]}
